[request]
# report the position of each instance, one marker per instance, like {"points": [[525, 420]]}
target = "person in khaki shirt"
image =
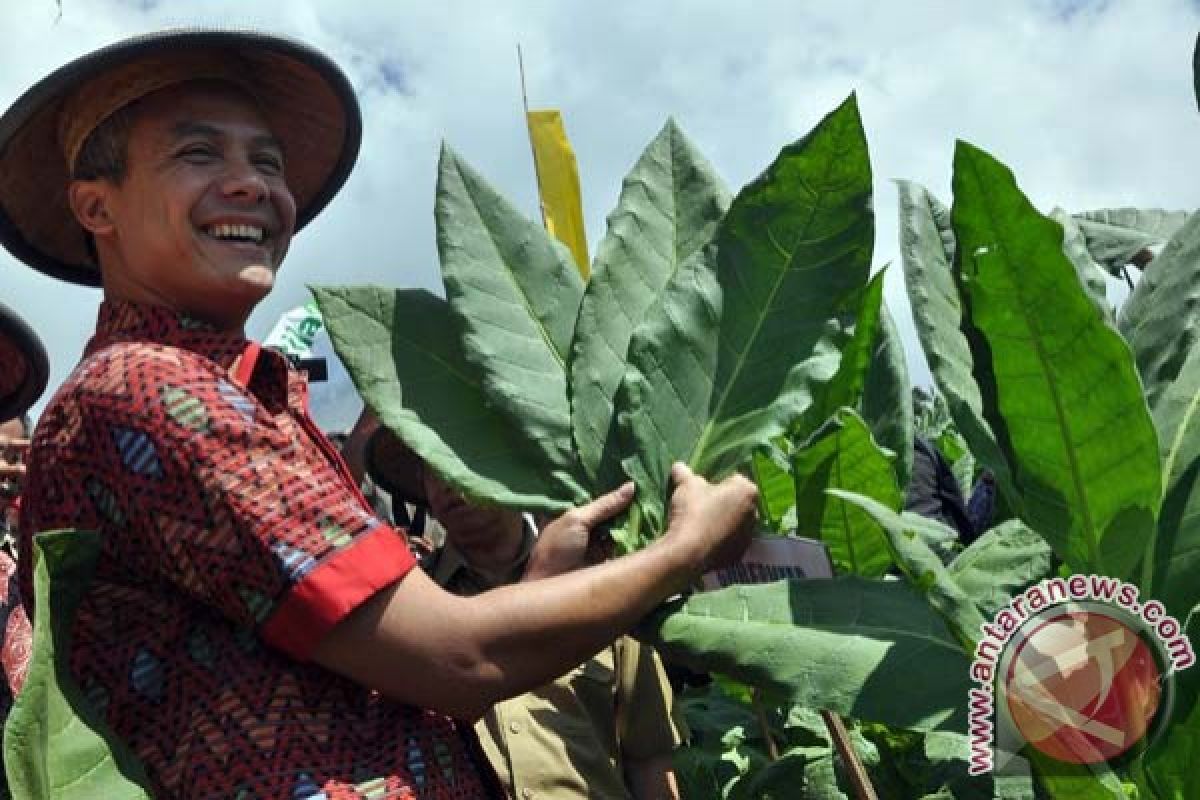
{"points": [[602, 731]]}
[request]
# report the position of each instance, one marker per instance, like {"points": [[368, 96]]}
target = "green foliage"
{"points": [[669, 208], [843, 456], [1000, 563], [1085, 461], [516, 293], [923, 567], [1160, 320], [834, 644], [56, 744], [928, 248], [402, 349], [1113, 236], [723, 366], [1177, 549]]}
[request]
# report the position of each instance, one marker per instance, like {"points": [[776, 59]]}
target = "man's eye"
{"points": [[271, 164], [197, 153]]}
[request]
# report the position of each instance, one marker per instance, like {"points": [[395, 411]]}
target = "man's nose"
{"points": [[243, 182]]}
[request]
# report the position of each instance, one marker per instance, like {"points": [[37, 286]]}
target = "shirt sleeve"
{"points": [[646, 725], [242, 508]]}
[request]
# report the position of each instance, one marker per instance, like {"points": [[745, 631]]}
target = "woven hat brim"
{"points": [[395, 468], [24, 367], [307, 100]]}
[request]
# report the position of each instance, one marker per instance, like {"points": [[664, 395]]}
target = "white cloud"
{"points": [[1090, 103]]}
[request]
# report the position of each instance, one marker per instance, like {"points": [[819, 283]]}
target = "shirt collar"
{"points": [[123, 321], [120, 320]]}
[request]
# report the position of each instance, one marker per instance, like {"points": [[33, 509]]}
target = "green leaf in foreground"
{"points": [[517, 293], [795, 244], [1058, 384], [56, 745], [844, 456], [834, 644], [927, 247], [403, 350], [669, 208]]}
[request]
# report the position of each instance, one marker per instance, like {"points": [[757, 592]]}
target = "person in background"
{"points": [[24, 371], [603, 730], [251, 627]]}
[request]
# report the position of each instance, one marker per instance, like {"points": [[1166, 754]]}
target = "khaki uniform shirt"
{"points": [[569, 738]]}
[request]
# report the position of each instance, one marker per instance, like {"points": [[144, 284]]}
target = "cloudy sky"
{"points": [[1091, 103]]}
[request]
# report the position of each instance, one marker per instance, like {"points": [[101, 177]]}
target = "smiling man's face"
{"points": [[203, 217]]}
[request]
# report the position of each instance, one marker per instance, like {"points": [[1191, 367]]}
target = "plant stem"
{"points": [[863, 790], [764, 726]]}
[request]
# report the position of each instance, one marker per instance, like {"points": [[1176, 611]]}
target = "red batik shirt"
{"points": [[233, 541]]}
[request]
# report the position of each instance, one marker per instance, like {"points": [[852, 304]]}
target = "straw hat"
{"points": [[395, 468], [24, 368], [308, 102]]}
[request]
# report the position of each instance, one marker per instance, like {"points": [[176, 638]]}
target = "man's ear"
{"points": [[89, 203]]}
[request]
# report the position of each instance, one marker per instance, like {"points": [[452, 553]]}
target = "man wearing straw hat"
{"points": [[252, 630]]}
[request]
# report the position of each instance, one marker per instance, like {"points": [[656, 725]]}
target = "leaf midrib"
{"points": [[715, 413], [1089, 525], [524, 298]]}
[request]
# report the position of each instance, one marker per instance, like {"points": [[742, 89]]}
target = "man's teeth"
{"points": [[240, 233]]}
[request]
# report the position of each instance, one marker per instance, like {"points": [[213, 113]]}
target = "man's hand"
{"points": [[575, 540], [710, 526]]}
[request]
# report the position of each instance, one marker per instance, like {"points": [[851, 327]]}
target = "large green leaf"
{"points": [[403, 351], [1058, 384], [844, 456], [1001, 563], [1177, 549], [792, 248], [923, 567], [664, 398], [56, 745], [887, 397], [1115, 235], [834, 644], [1161, 320], [517, 292], [927, 248], [669, 208]]}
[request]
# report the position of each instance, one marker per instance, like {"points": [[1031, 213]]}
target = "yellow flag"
{"points": [[558, 184]]}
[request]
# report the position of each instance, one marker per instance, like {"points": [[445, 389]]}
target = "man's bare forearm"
{"points": [[530, 633]]}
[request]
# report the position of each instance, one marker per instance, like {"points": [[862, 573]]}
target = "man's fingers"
{"points": [[606, 506], [680, 472], [12, 470]]}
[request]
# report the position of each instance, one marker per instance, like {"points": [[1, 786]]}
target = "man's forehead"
{"points": [[203, 108]]}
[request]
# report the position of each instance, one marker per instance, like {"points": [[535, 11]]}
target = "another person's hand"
{"points": [[575, 540], [710, 525]]}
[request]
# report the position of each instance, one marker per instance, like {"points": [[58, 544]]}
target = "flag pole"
{"points": [[529, 131]]}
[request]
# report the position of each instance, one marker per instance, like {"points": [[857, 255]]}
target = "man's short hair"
{"points": [[105, 152]]}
